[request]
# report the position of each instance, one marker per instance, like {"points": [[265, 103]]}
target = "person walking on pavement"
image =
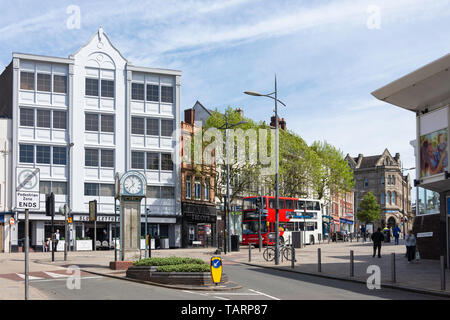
{"points": [[363, 233], [157, 241], [387, 234], [396, 233], [377, 238], [56, 237], [410, 241]]}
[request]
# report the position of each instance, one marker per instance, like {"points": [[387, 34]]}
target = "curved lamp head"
{"points": [[252, 93]]}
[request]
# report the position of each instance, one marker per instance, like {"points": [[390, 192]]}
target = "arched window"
{"points": [[393, 180], [394, 197], [388, 198]]}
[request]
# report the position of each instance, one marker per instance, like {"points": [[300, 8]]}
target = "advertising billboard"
{"points": [[433, 153]]}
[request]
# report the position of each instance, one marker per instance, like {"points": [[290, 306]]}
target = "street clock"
{"points": [[131, 183]]}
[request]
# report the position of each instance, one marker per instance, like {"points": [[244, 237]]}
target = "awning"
{"points": [[346, 221], [426, 87]]}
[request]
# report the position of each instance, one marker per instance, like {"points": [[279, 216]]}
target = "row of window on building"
{"points": [[43, 82], [390, 181], [94, 157], [197, 195], [103, 189], [56, 119], [94, 87], [391, 198]]}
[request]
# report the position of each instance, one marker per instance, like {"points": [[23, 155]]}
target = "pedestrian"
{"points": [[377, 238], [410, 241], [387, 234], [46, 245], [157, 241], [363, 233], [396, 233], [56, 237]]}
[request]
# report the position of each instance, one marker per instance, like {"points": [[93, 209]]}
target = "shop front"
{"points": [[199, 225], [425, 92]]}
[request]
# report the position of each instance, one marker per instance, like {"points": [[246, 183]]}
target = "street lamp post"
{"points": [[403, 199], [274, 96]]}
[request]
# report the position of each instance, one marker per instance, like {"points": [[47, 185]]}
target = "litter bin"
{"points": [[387, 236], [235, 243], [296, 239]]}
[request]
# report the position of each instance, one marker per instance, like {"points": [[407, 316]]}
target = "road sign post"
{"points": [[50, 211], [27, 197], [216, 269], [93, 217]]}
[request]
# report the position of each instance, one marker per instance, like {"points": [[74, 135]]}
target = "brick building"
{"points": [[197, 194], [382, 175]]}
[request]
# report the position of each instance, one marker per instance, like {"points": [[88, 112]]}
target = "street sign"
{"points": [[27, 200], [216, 269], [11, 221], [69, 220], [93, 210], [27, 191]]}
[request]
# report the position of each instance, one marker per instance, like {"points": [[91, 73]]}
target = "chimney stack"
{"points": [[189, 115]]}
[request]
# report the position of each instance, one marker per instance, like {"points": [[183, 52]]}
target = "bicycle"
{"points": [[285, 252]]}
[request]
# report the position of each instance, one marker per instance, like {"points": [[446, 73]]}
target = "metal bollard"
{"points": [[319, 260], [292, 257], [249, 252], [393, 271], [352, 264], [442, 273]]}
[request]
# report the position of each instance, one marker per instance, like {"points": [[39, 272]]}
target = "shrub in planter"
{"points": [[168, 261], [192, 267]]}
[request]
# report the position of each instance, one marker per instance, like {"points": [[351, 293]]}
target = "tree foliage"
{"points": [[369, 210]]}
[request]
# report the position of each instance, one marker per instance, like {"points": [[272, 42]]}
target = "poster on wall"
{"points": [[433, 153]]}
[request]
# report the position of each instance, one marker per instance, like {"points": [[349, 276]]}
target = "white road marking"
{"points": [[263, 294], [29, 277], [56, 275], [59, 279]]}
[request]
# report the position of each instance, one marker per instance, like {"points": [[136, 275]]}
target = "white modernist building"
{"points": [[81, 120]]}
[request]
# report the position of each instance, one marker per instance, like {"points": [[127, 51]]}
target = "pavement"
{"points": [[422, 276]]}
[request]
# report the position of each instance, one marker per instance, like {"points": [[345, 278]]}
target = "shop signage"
{"points": [[424, 234], [99, 218]]}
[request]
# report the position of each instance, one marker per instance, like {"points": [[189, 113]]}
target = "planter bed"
{"points": [[150, 273]]}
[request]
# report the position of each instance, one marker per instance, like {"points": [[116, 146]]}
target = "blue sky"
{"points": [[326, 54]]}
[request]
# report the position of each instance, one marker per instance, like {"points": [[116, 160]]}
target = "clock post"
{"points": [[131, 187]]}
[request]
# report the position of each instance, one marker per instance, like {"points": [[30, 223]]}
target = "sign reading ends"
{"points": [[27, 191]]}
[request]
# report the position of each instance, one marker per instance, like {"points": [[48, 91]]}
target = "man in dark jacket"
{"points": [[377, 238]]}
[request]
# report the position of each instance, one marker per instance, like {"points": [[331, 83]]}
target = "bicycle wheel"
{"points": [[287, 253], [269, 254]]}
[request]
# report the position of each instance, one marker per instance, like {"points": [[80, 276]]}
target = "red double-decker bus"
{"points": [[250, 218]]}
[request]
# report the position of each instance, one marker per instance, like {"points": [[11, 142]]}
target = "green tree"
{"points": [[333, 173], [369, 210]]}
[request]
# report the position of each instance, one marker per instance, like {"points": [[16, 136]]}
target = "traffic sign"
{"points": [[216, 269], [69, 220], [11, 221], [27, 191]]}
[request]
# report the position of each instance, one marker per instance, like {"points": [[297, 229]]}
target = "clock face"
{"points": [[132, 185]]}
